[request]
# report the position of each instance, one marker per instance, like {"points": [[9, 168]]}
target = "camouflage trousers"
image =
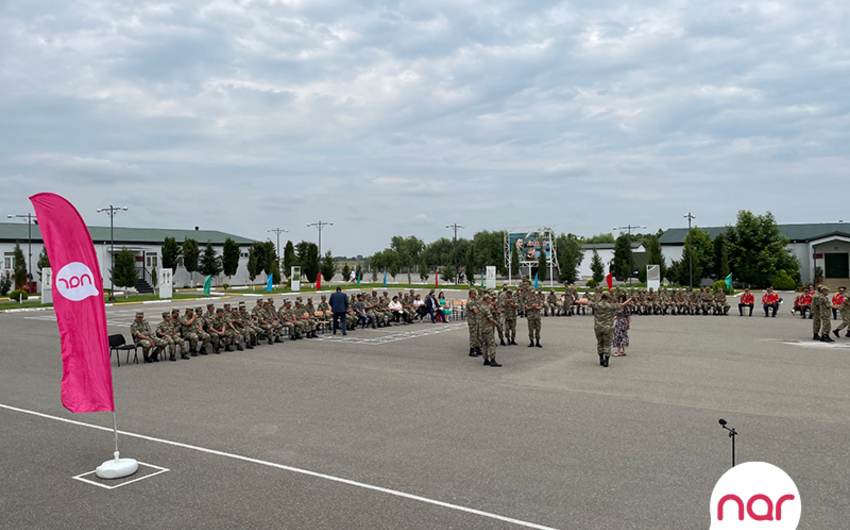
{"points": [[500, 327], [845, 323], [194, 337], [146, 345], [249, 332], [290, 327], [176, 344], [474, 339], [721, 308], [604, 336], [822, 322], [534, 326], [487, 341], [510, 329]]}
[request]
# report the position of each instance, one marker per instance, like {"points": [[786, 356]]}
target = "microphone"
{"points": [[722, 422]]}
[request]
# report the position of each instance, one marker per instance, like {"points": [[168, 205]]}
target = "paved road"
{"points": [[551, 438]]}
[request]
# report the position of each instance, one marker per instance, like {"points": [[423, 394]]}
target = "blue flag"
{"points": [[535, 281], [385, 278], [269, 283]]}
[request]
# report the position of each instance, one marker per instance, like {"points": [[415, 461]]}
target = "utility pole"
{"points": [[691, 251], [320, 225], [111, 211], [629, 229], [455, 227], [29, 217], [277, 232]]}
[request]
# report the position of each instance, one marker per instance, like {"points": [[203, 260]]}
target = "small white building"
{"points": [[824, 245], [144, 243], [606, 254]]}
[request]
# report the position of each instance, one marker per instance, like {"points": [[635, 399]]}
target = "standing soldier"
{"points": [[472, 323], [499, 316], [603, 325], [822, 313], [486, 325], [509, 308], [192, 332], [144, 337], [532, 311], [844, 310]]}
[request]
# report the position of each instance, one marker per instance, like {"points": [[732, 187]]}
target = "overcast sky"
{"points": [[403, 117]]}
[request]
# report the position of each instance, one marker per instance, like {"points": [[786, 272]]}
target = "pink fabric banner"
{"points": [[79, 306]]}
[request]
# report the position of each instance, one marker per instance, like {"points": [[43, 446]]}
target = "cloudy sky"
{"points": [[402, 117]]}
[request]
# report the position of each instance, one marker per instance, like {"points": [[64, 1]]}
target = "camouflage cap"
{"points": [[227, 306], [259, 301], [323, 297], [823, 288], [139, 314], [605, 295], [270, 299], [175, 310], [219, 310], [199, 309], [165, 314], [299, 299], [210, 306], [189, 310]]}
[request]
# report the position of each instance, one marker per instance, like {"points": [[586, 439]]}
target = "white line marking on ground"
{"points": [[307, 472]]}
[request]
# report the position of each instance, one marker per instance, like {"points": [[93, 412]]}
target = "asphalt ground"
{"points": [[299, 435]]}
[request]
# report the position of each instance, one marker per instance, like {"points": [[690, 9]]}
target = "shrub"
{"points": [[722, 285], [225, 286], [19, 293], [5, 283], [784, 282], [592, 284]]}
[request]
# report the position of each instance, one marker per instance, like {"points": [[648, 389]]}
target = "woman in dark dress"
{"points": [[622, 323]]}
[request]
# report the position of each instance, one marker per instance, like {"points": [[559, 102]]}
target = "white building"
{"points": [[606, 254], [144, 243], [824, 245]]}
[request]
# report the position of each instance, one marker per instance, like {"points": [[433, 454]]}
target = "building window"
{"points": [[8, 260], [151, 260]]}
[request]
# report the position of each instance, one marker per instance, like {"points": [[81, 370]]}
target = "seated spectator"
{"points": [[770, 301], [802, 303], [746, 301], [434, 308], [366, 319], [419, 307], [397, 311], [441, 298]]}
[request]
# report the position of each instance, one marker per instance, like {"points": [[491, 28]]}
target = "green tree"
{"points": [[489, 250], [623, 258], [125, 274], [268, 257], [599, 238], [328, 267], [311, 266], [346, 272], [597, 267], [19, 269], [570, 256], [43, 261], [656, 257], [698, 246], [5, 283], [469, 265], [289, 258], [170, 254], [191, 256], [253, 265], [542, 266], [447, 273], [424, 270], [210, 261], [407, 250], [230, 258], [275, 273], [515, 266], [758, 250]]}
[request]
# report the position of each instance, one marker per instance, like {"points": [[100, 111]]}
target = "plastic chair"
{"points": [[118, 344]]}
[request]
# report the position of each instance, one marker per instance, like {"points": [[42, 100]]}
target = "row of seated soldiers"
{"points": [[645, 302]]}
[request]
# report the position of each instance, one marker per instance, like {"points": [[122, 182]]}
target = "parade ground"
{"points": [[399, 429]]}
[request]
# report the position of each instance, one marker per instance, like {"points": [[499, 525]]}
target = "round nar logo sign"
{"points": [[755, 495], [75, 282]]}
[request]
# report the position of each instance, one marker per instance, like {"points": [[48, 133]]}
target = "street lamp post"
{"points": [[455, 227], [277, 232], [629, 229], [111, 211], [691, 252], [320, 225], [29, 217]]}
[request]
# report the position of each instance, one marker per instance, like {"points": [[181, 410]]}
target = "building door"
{"points": [[837, 265]]}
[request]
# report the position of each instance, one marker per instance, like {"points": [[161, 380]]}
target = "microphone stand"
{"points": [[732, 434]]}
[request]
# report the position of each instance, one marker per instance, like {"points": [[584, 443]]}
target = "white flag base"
{"points": [[117, 468]]}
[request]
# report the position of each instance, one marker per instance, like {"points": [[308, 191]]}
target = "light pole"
{"points": [[29, 217], [691, 252], [111, 211], [455, 227], [277, 232], [629, 229], [320, 225]]}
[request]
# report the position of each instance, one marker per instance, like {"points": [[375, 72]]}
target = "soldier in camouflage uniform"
{"points": [[177, 333], [822, 315], [144, 337], [551, 307], [311, 312], [209, 318], [218, 328], [509, 310], [201, 322], [696, 300], [323, 305], [302, 316], [707, 301], [651, 302], [532, 311], [164, 331], [497, 309], [721, 306], [242, 320], [233, 335], [486, 324], [603, 325], [192, 331], [271, 315], [844, 311], [472, 323]]}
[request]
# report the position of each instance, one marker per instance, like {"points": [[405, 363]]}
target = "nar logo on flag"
{"points": [[75, 282], [755, 496]]}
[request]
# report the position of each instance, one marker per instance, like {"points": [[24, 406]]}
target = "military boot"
{"points": [[538, 344], [531, 343], [184, 357], [494, 364], [502, 342], [826, 338]]}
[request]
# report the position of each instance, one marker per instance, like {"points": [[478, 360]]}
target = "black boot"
{"points": [[837, 334], [239, 347], [502, 342], [271, 339], [472, 352], [173, 357], [531, 343], [513, 342], [494, 364], [538, 344], [184, 357], [147, 358], [816, 337], [605, 362], [486, 362], [827, 338]]}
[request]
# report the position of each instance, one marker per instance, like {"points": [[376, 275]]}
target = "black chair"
{"points": [[118, 344]]}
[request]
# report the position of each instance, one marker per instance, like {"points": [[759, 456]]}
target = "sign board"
{"points": [[529, 245], [296, 279], [46, 285], [653, 277], [490, 276], [166, 284]]}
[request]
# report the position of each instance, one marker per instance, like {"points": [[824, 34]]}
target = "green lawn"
{"points": [[118, 300]]}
